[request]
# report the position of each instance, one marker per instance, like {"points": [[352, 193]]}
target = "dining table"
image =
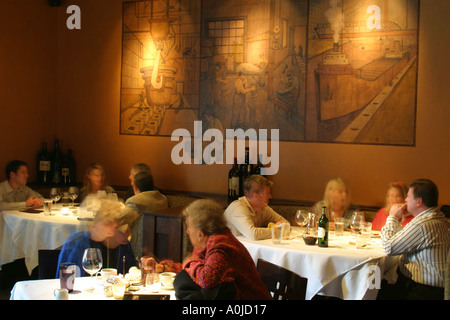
{"points": [[341, 270], [45, 290], [24, 232]]}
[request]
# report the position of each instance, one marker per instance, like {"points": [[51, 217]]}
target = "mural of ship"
{"points": [[341, 89]]}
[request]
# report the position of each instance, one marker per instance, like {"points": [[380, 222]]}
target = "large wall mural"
{"points": [[341, 71]]}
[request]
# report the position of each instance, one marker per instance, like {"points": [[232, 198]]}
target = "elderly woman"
{"points": [[220, 266], [337, 200], [102, 234], [94, 181]]}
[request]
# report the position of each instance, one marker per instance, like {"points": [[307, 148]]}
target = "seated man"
{"points": [[14, 193], [146, 199], [135, 169], [422, 244], [250, 214]]}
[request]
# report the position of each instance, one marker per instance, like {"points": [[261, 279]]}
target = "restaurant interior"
{"points": [[65, 84]]}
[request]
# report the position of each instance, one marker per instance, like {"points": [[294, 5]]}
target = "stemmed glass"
{"points": [[73, 194], [301, 217], [357, 220], [55, 194], [92, 263]]}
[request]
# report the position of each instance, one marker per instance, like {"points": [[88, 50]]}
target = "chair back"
{"points": [[447, 279], [283, 284], [48, 263]]}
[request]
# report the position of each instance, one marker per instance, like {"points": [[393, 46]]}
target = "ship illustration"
{"points": [[341, 89]]}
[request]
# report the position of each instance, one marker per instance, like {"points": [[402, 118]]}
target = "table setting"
{"points": [[341, 269], [24, 232], [102, 284]]}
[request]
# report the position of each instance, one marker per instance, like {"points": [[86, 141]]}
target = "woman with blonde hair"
{"points": [[220, 266], [94, 181], [102, 234], [396, 193], [337, 200]]}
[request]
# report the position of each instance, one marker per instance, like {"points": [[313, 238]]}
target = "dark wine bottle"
{"points": [[257, 169], [68, 169], [233, 182], [244, 172], [322, 233], [43, 166], [56, 165]]}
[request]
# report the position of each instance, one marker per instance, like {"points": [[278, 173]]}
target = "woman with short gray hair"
{"points": [[220, 266]]}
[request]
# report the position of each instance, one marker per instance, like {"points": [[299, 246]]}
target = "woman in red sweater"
{"points": [[218, 258]]}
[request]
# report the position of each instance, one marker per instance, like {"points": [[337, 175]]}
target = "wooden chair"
{"points": [[48, 263], [447, 279], [283, 284]]}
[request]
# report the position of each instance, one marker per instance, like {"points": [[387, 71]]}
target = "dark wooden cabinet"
{"points": [[163, 234]]}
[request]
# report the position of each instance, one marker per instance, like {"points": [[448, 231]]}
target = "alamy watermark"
{"points": [[74, 21], [191, 150], [374, 277]]}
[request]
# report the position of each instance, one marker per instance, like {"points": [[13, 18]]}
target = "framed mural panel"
{"points": [[160, 66], [362, 71], [341, 71]]}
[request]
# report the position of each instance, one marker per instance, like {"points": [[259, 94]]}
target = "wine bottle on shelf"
{"points": [[68, 169], [43, 166], [322, 232], [56, 165], [257, 169], [244, 172], [233, 182]]}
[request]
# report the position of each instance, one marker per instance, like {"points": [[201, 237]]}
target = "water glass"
{"points": [[65, 199], [152, 282], [277, 233], [47, 207], [339, 226], [286, 231], [364, 237]]}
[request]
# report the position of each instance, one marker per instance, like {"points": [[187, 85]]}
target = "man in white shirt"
{"points": [[14, 193], [423, 244], [250, 215]]}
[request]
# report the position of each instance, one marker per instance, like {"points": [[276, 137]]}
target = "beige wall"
{"points": [[27, 79], [78, 84]]}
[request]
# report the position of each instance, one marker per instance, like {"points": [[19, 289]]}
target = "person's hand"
{"points": [[398, 210], [37, 202], [33, 201], [116, 240]]}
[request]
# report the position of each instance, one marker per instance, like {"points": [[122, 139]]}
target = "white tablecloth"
{"points": [[23, 234], [341, 270], [43, 290]]}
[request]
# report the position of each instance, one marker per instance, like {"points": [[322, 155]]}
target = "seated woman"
{"points": [[220, 266], [396, 193], [94, 181], [337, 200], [102, 234]]}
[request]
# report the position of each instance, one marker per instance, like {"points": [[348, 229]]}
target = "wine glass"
{"points": [[301, 217], [92, 262], [73, 194], [55, 194], [357, 220]]}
